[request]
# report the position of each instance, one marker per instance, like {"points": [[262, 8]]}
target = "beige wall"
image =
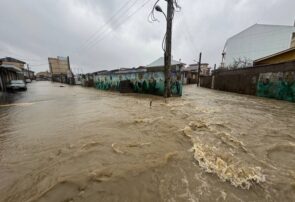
{"points": [[58, 66]]}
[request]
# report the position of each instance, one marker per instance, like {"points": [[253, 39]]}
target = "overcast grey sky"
{"points": [[106, 34]]}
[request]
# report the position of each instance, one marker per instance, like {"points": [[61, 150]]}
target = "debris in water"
{"points": [[116, 149], [101, 175], [91, 144], [139, 144]]}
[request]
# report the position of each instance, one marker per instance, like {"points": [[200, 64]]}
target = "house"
{"points": [[143, 79], [28, 74], [10, 69], [43, 76], [256, 42], [280, 57], [12, 61], [160, 62], [190, 73], [60, 70]]}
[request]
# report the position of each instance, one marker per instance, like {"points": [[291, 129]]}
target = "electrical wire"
{"points": [[104, 29], [120, 23], [152, 18], [108, 21]]}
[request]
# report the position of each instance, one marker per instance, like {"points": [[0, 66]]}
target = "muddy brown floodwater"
{"points": [[81, 144]]}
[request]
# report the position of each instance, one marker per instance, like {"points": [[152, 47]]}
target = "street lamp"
{"points": [[159, 9]]}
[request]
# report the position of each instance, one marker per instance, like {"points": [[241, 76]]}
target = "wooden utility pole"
{"points": [[199, 68], [167, 56]]}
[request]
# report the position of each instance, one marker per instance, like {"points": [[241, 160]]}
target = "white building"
{"points": [[256, 42]]}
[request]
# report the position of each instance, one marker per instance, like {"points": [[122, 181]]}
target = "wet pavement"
{"points": [[82, 144]]}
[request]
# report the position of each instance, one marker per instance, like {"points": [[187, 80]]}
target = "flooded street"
{"points": [[81, 144]]}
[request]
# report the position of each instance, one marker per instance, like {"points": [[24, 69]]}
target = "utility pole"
{"points": [[199, 68], [167, 56]]}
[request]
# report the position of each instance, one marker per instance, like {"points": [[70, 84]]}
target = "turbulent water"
{"points": [[81, 144]]}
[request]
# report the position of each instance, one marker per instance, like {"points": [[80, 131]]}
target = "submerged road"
{"points": [[81, 144]]}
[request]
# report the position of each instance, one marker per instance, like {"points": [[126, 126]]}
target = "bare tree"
{"points": [[240, 63]]}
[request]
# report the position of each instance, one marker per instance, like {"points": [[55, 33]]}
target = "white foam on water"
{"points": [[18, 104], [238, 175]]}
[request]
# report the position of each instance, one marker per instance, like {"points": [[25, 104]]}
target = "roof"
{"points": [[11, 67], [9, 59], [195, 68], [262, 25], [275, 54], [195, 64], [257, 41], [160, 63]]}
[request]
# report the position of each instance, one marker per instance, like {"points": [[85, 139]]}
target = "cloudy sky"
{"points": [[106, 34]]}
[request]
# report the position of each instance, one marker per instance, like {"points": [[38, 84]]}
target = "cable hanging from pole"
{"points": [[152, 18]]}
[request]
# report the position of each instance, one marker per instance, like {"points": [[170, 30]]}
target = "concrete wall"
{"points": [[273, 81], [140, 82]]}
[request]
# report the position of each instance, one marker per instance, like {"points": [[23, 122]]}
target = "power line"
{"points": [[190, 37], [120, 24], [109, 20], [38, 64], [107, 30], [101, 30]]}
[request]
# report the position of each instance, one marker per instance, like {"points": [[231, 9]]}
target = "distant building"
{"points": [[190, 73], [256, 42], [159, 63], [10, 69], [28, 74], [43, 76], [60, 70]]}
